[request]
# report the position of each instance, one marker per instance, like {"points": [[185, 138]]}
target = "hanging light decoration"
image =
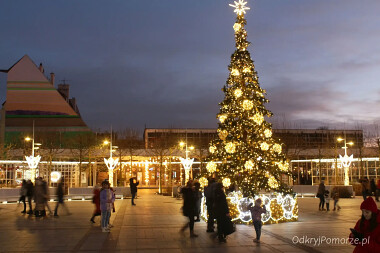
{"points": [[203, 182], [222, 117], [226, 182], [212, 149], [247, 105], [230, 147], [264, 146], [272, 182], [237, 27], [223, 134], [238, 93], [268, 133], [211, 167], [258, 118], [249, 165], [235, 72], [277, 148]]}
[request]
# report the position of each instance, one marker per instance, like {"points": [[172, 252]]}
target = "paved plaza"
{"points": [[153, 226]]}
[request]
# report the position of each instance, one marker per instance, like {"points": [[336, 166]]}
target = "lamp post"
{"points": [[32, 160], [187, 162], [111, 163], [346, 160]]}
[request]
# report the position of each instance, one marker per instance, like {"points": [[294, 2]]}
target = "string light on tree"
{"points": [[245, 149], [212, 149], [203, 182]]}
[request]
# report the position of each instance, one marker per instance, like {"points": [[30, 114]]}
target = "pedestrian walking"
{"points": [[366, 234], [60, 198], [30, 194], [189, 207], [39, 198], [335, 197], [321, 195], [327, 200], [209, 194], [106, 199], [96, 202], [46, 195], [256, 212], [133, 183], [221, 210], [23, 192], [365, 187], [372, 186], [198, 200]]}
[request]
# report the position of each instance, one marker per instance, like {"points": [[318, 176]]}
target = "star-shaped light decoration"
{"points": [[240, 7], [111, 164], [187, 163]]}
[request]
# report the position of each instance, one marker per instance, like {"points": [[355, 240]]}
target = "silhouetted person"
{"points": [[39, 198], [221, 211], [189, 207], [29, 195], [321, 195], [23, 192], [365, 187], [209, 194], [96, 202], [47, 196], [60, 199], [198, 200], [133, 185]]}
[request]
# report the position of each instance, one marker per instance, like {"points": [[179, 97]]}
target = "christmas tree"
{"points": [[245, 154]]}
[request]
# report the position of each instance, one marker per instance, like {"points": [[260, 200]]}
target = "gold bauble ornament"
{"points": [[247, 70], [237, 27], [268, 133], [283, 166], [212, 149], [258, 118], [226, 182], [249, 165], [277, 148], [203, 181], [272, 182], [223, 134], [230, 147], [235, 72], [238, 93], [264, 146], [211, 167], [247, 105], [222, 117]]}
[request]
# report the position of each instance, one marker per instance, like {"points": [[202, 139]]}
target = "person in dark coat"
{"points": [[221, 211], [365, 187], [133, 185], [23, 192], [321, 195], [30, 194], [39, 198], [373, 187], [60, 199], [198, 200], [96, 201], [189, 207], [209, 194]]}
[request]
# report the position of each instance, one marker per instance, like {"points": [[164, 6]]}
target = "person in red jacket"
{"points": [[96, 201], [366, 234]]}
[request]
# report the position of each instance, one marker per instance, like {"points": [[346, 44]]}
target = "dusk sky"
{"points": [[162, 63]]}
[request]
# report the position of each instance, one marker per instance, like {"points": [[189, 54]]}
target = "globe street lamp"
{"points": [[111, 163], [32, 160], [187, 162], [346, 160]]}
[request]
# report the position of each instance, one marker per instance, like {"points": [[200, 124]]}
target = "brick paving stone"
{"points": [[153, 226]]}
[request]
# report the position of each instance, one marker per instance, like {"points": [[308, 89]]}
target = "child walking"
{"points": [[335, 196], [256, 212]]}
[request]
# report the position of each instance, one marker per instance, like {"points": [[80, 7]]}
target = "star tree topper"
{"points": [[240, 7]]}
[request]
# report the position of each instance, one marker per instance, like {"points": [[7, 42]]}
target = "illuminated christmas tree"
{"points": [[245, 153]]}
